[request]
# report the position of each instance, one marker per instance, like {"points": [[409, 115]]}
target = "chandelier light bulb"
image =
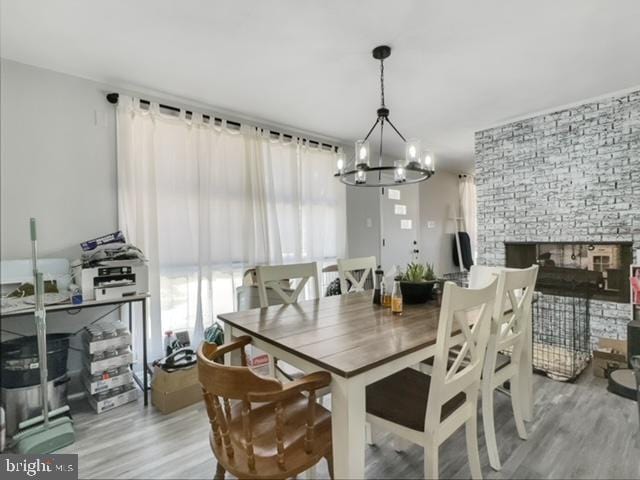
{"points": [[361, 176], [412, 149], [340, 161], [399, 174], [362, 152]]}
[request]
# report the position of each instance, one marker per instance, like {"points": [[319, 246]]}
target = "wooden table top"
{"points": [[345, 334]]}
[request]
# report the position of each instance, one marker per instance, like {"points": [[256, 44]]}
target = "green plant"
{"points": [[417, 272]]}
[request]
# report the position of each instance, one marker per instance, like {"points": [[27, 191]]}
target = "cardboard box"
{"points": [[107, 344], [609, 355], [171, 391], [113, 401], [108, 383], [100, 366]]}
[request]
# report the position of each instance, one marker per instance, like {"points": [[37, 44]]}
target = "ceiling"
{"points": [[456, 66]]}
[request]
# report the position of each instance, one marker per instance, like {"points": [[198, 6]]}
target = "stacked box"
{"points": [[107, 374]]}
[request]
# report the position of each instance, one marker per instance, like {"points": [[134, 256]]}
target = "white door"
{"points": [[399, 215]]}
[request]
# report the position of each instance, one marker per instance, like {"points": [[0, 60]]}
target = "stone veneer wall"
{"points": [[571, 175]]}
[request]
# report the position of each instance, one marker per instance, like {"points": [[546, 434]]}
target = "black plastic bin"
{"points": [[19, 365]]}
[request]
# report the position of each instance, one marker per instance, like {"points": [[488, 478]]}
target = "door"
{"points": [[399, 220]]}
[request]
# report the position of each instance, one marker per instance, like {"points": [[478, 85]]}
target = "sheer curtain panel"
{"points": [[204, 202]]}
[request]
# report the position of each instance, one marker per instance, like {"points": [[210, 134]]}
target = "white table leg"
{"points": [[348, 426], [526, 372], [232, 358]]}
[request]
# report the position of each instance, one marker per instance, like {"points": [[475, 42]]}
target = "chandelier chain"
{"points": [[382, 83]]}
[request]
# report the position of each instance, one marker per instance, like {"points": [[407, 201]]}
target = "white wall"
{"points": [[437, 195], [363, 222], [58, 162], [57, 165]]}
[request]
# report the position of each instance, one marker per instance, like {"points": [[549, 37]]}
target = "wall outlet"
{"points": [[369, 223], [431, 224]]}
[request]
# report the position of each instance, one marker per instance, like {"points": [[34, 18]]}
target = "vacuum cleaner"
{"points": [[51, 430]]}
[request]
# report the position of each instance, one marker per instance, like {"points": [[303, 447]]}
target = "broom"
{"points": [[40, 434]]}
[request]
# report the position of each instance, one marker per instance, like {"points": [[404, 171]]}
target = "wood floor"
{"points": [[580, 431]]}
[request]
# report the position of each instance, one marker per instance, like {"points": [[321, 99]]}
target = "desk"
{"points": [[69, 307], [357, 342]]}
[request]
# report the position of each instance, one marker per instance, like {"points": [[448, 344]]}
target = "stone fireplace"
{"points": [[567, 176]]}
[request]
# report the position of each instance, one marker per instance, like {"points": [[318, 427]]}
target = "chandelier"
{"points": [[417, 165]]}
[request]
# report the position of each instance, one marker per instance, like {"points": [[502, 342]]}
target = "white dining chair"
{"points": [[275, 276], [278, 279], [427, 410], [508, 334], [479, 276], [346, 269]]}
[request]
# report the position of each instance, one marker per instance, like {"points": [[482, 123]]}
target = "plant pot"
{"points": [[416, 292]]}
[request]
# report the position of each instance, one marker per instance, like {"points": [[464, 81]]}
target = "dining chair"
{"points": [[427, 409], [277, 278], [330, 277], [479, 276], [348, 266], [504, 351], [260, 428]]}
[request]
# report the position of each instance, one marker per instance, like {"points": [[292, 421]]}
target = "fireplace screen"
{"points": [[601, 269], [570, 275]]}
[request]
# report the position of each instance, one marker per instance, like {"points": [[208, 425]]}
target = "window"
{"points": [[601, 263], [204, 203]]}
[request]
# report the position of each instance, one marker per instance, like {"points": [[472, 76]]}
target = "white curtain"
{"points": [[204, 202], [468, 206]]}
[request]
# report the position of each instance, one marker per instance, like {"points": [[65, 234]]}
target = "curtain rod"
{"points": [[114, 97]]}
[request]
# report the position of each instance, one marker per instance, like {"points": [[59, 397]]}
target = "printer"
{"points": [[112, 282]]}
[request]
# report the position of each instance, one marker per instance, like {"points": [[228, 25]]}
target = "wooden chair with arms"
{"points": [[427, 409], [272, 277], [508, 333], [283, 435], [346, 267]]}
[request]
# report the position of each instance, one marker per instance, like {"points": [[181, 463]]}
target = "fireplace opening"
{"points": [[600, 270], [570, 276]]}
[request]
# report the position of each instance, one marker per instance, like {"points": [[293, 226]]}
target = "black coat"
{"points": [[465, 250]]}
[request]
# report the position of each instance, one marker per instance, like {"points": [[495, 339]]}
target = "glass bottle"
{"points": [[396, 298], [385, 293], [377, 293]]}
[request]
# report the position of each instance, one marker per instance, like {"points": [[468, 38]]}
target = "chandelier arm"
{"points": [[371, 130], [394, 127]]}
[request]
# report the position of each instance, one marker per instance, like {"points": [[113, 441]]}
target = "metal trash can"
{"points": [[19, 363], [21, 404], [20, 378]]}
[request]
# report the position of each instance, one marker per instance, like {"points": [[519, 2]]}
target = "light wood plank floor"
{"points": [[580, 431]]}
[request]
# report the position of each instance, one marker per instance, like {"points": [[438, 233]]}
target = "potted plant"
{"points": [[417, 283]]}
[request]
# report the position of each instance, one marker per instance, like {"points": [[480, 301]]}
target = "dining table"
{"points": [[358, 343]]}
